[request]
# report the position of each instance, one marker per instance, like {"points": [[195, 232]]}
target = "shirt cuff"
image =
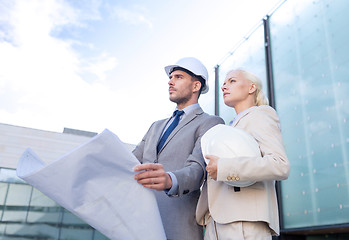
{"points": [[174, 189]]}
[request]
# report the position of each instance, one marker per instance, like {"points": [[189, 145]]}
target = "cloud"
{"points": [[132, 17], [99, 66], [40, 85]]}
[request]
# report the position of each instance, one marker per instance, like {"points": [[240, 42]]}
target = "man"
{"points": [[172, 162]]}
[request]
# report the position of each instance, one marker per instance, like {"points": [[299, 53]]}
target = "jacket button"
{"points": [[229, 178], [237, 178]]}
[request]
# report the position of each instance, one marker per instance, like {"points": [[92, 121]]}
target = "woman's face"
{"points": [[236, 88]]}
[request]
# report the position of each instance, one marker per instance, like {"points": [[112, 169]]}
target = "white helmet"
{"points": [[193, 65]]}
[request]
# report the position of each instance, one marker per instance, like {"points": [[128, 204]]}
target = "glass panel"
{"points": [[41, 210], [249, 56], [3, 191], [2, 228], [37, 231], [39, 199], [70, 218], [14, 215], [207, 100], [18, 195], [311, 62], [76, 234], [44, 217], [99, 236]]}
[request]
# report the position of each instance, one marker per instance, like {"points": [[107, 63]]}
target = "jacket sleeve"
{"points": [[273, 164], [191, 177]]}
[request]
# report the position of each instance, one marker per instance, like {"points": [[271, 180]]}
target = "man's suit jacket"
{"points": [[257, 202], [181, 155]]}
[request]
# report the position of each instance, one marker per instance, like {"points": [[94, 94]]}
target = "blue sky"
{"points": [[96, 64]]}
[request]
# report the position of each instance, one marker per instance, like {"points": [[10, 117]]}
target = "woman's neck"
{"points": [[243, 106]]}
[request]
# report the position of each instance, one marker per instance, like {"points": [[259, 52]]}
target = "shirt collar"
{"points": [[241, 114], [190, 108]]}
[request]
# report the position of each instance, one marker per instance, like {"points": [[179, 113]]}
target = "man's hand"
{"points": [[153, 175], [211, 167]]}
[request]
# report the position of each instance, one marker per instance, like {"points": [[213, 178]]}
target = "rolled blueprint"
{"points": [[95, 182]]}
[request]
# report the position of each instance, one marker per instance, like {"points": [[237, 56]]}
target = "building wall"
{"points": [[310, 69], [48, 145]]}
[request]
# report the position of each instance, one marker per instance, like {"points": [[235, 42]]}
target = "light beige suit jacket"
{"points": [[257, 202]]}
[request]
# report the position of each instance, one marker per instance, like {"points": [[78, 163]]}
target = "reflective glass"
{"points": [[3, 191], [207, 100], [44, 217], [76, 234], [2, 228], [249, 56], [41, 200], [22, 204], [311, 68], [18, 195], [99, 236], [37, 231], [69, 218], [14, 215]]}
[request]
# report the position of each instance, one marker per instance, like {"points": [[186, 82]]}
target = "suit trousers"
{"points": [[237, 231]]}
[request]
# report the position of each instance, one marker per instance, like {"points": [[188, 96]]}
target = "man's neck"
{"points": [[181, 106]]}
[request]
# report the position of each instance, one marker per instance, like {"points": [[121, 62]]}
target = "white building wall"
{"points": [[47, 145]]}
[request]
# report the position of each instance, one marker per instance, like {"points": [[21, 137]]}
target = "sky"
{"points": [[96, 64]]}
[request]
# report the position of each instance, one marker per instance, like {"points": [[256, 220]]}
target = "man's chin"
{"points": [[174, 99]]}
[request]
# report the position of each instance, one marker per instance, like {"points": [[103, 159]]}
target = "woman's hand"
{"points": [[211, 167]]}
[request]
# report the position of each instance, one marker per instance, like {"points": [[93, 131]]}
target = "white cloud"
{"points": [[132, 17], [100, 65], [39, 78]]}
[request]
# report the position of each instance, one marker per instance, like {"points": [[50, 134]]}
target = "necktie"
{"points": [[168, 131]]}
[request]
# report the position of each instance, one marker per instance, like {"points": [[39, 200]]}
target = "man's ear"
{"points": [[196, 86]]}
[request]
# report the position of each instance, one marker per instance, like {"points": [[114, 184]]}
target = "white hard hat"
{"points": [[193, 65], [225, 141]]}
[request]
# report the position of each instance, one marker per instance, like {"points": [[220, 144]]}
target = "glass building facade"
{"points": [[301, 53], [26, 213]]}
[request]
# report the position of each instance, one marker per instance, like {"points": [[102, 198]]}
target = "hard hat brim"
{"points": [[169, 68]]}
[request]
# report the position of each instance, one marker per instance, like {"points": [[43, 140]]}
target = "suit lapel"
{"points": [[160, 129], [192, 115], [246, 112]]}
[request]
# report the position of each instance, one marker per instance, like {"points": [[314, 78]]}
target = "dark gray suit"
{"points": [[181, 154]]}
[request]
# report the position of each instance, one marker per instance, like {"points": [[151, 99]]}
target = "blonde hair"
{"points": [[260, 98]]}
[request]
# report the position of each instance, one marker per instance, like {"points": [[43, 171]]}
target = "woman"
{"points": [[248, 212]]}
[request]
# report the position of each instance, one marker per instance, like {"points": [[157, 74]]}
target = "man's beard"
{"points": [[180, 100]]}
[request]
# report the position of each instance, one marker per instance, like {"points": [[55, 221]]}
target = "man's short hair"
{"points": [[199, 78]]}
